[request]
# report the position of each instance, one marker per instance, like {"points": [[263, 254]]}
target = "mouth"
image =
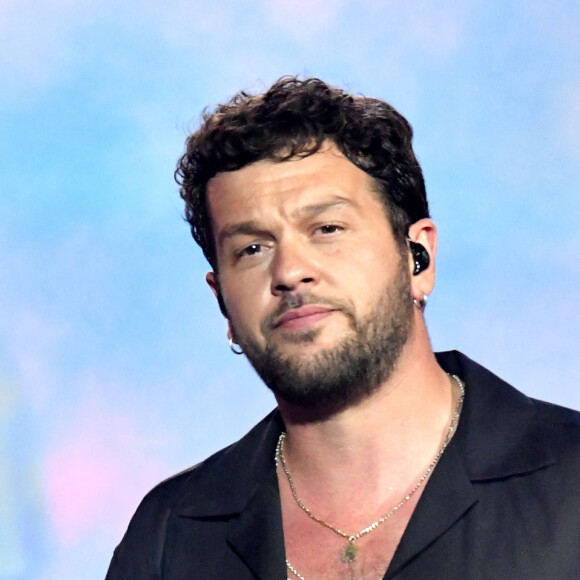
{"points": [[302, 317]]}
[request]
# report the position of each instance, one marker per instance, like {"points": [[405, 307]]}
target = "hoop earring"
{"points": [[233, 347], [420, 304]]}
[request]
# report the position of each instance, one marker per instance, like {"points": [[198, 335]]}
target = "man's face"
{"points": [[316, 290]]}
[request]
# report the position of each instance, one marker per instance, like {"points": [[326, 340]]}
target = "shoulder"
{"points": [[490, 390], [504, 432], [237, 464], [140, 552], [557, 415], [562, 428], [220, 484]]}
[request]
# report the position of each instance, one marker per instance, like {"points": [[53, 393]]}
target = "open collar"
{"points": [[225, 483], [499, 435], [240, 484]]}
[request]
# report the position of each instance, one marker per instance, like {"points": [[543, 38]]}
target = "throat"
{"points": [[343, 530]]}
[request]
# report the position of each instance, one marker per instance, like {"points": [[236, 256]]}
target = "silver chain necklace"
{"points": [[348, 553]]}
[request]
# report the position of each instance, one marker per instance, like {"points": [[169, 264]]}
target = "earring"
{"points": [[233, 346], [420, 304]]}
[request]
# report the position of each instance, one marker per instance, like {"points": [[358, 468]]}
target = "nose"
{"points": [[292, 268]]}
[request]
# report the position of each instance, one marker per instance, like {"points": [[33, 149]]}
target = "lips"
{"points": [[303, 315]]}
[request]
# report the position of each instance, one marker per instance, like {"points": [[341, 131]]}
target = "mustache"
{"points": [[292, 301]]}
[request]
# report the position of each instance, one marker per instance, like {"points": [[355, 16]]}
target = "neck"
{"points": [[379, 443]]}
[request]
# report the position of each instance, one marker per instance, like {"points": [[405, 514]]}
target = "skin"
{"points": [[314, 227], [309, 225]]}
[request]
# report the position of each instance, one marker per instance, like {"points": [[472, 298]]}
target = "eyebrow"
{"points": [[318, 208], [252, 227]]}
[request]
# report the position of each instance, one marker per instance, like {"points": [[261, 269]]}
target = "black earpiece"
{"points": [[420, 257]]}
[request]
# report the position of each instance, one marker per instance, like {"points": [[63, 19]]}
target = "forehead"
{"points": [[287, 185]]}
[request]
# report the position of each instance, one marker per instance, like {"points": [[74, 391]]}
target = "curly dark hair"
{"points": [[294, 118]]}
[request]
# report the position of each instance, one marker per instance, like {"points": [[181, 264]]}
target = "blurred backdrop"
{"points": [[114, 366]]}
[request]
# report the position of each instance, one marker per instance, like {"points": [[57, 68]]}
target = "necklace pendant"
{"points": [[348, 553]]}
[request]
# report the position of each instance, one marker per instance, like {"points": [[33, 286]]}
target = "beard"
{"points": [[354, 367]]}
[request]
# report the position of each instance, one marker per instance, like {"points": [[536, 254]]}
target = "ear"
{"points": [[423, 232], [212, 280]]}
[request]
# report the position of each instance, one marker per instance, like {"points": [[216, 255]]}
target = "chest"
{"points": [[317, 551], [524, 527]]}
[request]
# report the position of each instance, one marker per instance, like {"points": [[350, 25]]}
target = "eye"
{"points": [[251, 250], [328, 229]]}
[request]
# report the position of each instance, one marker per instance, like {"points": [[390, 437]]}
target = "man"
{"points": [[382, 459]]}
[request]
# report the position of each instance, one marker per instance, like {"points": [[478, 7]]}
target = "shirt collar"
{"points": [[499, 435]]}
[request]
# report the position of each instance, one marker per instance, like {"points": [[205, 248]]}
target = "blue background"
{"points": [[114, 365]]}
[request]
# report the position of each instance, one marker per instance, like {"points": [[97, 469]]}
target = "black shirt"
{"points": [[502, 504]]}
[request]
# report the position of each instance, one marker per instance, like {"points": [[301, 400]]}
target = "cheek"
{"points": [[373, 272], [247, 302], [362, 269]]}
